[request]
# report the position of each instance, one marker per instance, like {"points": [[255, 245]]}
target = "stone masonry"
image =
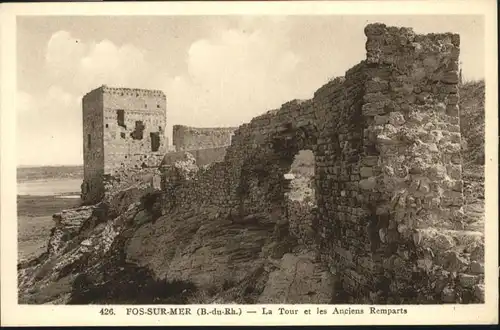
{"points": [[388, 178], [202, 156], [122, 129], [186, 138]]}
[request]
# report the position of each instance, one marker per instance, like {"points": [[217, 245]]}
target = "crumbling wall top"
{"points": [[191, 138], [405, 33], [203, 129], [334, 84], [138, 92], [385, 44]]}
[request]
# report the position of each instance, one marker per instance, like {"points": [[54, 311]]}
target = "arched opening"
{"points": [[264, 186]]}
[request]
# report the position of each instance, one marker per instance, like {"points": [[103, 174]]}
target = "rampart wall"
{"points": [[186, 138], [388, 180], [202, 156]]}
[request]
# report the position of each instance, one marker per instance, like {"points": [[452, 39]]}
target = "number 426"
{"points": [[107, 311]]}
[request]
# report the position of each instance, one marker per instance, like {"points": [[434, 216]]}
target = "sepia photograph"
{"points": [[251, 159]]}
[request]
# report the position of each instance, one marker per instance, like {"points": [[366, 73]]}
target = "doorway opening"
{"points": [[300, 197], [301, 177]]}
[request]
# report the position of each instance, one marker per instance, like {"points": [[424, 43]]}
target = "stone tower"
{"points": [[123, 129]]}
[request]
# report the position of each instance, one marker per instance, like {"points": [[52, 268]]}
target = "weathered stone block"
{"points": [[467, 280], [454, 171], [369, 160], [366, 172], [449, 295], [450, 77], [452, 110], [372, 109], [476, 267], [368, 184], [451, 261], [479, 292], [381, 120]]}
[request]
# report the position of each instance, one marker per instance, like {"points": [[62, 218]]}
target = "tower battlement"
{"points": [[138, 92]]}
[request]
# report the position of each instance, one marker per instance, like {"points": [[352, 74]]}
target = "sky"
{"points": [[214, 70]]}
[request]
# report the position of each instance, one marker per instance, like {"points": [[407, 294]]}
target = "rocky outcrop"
{"points": [[298, 278], [52, 277], [82, 239], [67, 226], [215, 252]]}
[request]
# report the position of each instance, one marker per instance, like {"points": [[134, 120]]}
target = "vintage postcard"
{"points": [[249, 163]]}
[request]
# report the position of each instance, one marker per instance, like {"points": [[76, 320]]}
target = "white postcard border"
{"points": [[14, 314]]}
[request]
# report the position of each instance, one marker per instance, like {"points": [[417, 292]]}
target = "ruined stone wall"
{"points": [[190, 187], [341, 204], [198, 138], [262, 152], [93, 147], [301, 216], [135, 137], [202, 156], [209, 156], [250, 180], [412, 121], [388, 180]]}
